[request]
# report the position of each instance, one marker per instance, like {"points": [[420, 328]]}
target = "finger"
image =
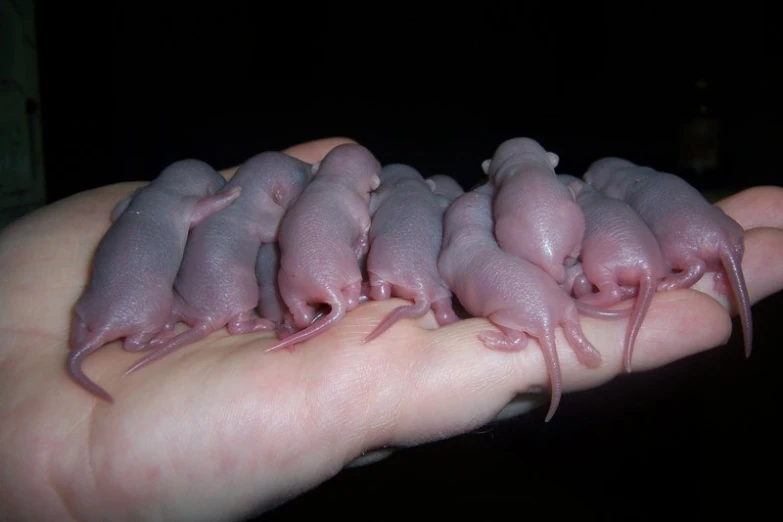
{"points": [[454, 383], [756, 207], [310, 152]]}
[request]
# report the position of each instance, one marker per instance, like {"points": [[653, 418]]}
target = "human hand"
{"points": [[221, 429]]}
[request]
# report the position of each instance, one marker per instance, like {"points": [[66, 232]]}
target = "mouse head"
{"points": [[391, 176], [190, 177], [352, 162], [611, 176], [518, 151], [272, 175]]}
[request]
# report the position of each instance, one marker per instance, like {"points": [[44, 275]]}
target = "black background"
{"points": [[125, 92]]}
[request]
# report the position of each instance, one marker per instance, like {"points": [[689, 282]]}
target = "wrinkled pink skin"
{"points": [[619, 250], [695, 236], [323, 238], [518, 297], [130, 291], [535, 215], [216, 286], [405, 238]]}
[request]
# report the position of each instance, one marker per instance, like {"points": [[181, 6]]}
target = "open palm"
{"points": [[221, 429]]}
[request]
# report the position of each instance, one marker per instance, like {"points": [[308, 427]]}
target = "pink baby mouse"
{"points": [[405, 239], [619, 251], [130, 291], [216, 286], [323, 238], [535, 215], [695, 236], [517, 296]]}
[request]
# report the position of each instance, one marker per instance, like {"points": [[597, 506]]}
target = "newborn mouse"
{"points": [[618, 250], [130, 291], [405, 239], [535, 215], [323, 238], [517, 296], [695, 236], [216, 285]]}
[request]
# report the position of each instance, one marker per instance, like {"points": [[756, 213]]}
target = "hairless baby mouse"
{"points": [[618, 250], [695, 236], [535, 215], [517, 296], [323, 237], [216, 285], [405, 239], [130, 291]]}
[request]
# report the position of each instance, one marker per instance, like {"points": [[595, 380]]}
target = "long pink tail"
{"points": [[420, 307], [79, 352], [599, 313], [549, 349], [733, 268], [189, 336], [317, 327], [640, 308]]}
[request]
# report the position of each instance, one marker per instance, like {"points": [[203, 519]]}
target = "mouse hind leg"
{"points": [[587, 354], [340, 301], [443, 309], [596, 304], [688, 272], [246, 322]]}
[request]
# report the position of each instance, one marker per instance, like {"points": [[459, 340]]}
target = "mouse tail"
{"points": [[733, 267], [189, 336], [600, 313], [317, 327], [549, 350], [84, 345], [419, 307], [643, 300]]}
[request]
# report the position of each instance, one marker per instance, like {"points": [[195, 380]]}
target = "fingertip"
{"points": [[762, 263], [314, 151], [680, 323], [754, 207], [310, 152]]}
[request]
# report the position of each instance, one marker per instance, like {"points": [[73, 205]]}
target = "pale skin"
{"points": [[221, 429]]}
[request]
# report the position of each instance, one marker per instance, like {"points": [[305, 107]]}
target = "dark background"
{"points": [[125, 92]]}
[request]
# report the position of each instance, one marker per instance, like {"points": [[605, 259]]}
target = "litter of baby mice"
{"points": [[291, 249]]}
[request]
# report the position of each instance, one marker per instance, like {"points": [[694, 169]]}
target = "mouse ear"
{"points": [[485, 166], [554, 159], [430, 184], [375, 182], [314, 167]]}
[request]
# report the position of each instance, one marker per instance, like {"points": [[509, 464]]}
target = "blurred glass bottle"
{"points": [[700, 136]]}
